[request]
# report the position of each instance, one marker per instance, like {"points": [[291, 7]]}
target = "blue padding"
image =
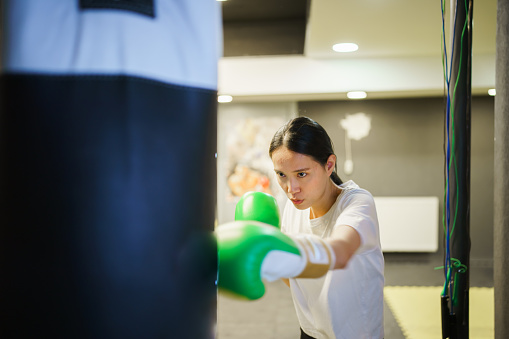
{"points": [[107, 205]]}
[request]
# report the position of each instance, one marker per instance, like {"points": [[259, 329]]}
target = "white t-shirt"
{"points": [[345, 303]]}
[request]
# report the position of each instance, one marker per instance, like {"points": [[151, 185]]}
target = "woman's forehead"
{"points": [[284, 159]]}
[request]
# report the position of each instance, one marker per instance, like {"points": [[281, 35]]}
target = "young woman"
{"points": [[348, 301]]}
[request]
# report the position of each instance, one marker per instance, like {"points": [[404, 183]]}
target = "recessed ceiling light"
{"points": [[492, 92], [345, 47], [224, 98], [356, 95]]}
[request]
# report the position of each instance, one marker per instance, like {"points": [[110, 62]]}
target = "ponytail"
{"points": [[335, 178]]}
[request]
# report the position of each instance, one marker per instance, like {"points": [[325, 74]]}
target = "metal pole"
{"points": [[459, 170], [501, 177]]}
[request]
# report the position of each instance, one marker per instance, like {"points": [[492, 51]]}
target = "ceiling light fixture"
{"points": [[345, 47], [492, 92], [224, 98], [356, 95]]}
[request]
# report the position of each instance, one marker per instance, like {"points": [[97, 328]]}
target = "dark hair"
{"points": [[305, 136]]}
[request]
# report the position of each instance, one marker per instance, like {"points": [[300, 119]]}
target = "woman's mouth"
{"points": [[296, 201]]}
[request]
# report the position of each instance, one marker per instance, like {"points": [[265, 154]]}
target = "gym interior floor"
{"points": [[273, 316]]}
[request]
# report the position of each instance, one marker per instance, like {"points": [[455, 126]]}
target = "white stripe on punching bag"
{"points": [[181, 45]]}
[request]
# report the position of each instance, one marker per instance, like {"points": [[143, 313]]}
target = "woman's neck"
{"points": [[323, 206]]}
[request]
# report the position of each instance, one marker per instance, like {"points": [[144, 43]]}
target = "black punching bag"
{"points": [[107, 168]]}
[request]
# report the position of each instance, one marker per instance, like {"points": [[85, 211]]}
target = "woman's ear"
{"points": [[331, 164]]}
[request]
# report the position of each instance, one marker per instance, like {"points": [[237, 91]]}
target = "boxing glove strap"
{"points": [[318, 255]]}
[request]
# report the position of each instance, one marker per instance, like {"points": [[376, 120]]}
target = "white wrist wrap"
{"points": [[317, 255]]}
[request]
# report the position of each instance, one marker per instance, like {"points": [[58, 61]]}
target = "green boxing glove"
{"points": [[250, 252], [258, 206]]}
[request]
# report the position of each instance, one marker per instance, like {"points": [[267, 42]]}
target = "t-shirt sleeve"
{"points": [[358, 212]]}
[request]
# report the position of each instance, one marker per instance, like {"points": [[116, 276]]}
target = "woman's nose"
{"points": [[293, 186]]}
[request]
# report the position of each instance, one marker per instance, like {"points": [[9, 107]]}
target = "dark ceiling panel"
{"points": [[252, 10], [264, 27]]}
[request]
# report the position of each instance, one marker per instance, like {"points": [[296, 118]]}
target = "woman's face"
{"points": [[302, 178]]}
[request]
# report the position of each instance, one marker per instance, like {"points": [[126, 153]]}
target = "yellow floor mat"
{"points": [[417, 311]]}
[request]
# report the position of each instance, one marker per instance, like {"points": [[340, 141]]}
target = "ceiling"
{"points": [[391, 28], [406, 31], [243, 10], [264, 27]]}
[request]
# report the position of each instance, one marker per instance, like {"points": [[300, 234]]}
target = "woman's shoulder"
{"points": [[350, 189]]}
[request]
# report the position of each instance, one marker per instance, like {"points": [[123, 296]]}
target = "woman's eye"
{"points": [[281, 175], [301, 174]]}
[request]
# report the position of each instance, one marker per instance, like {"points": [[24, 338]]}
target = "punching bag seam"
{"points": [[93, 77]]}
